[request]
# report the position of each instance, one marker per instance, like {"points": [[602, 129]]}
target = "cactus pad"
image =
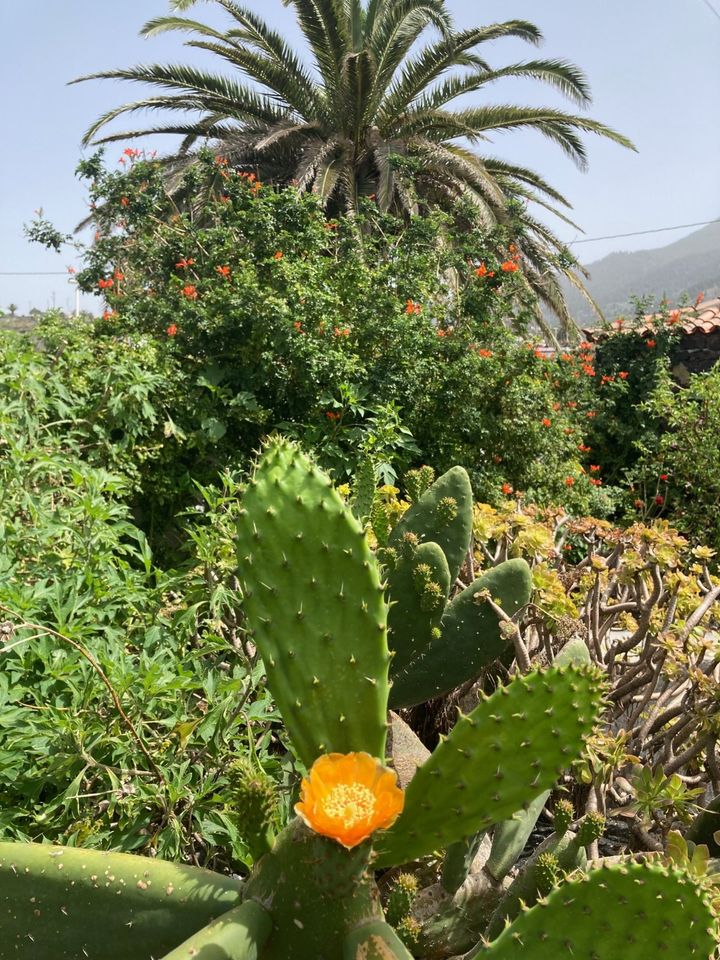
{"points": [[636, 912], [443, 515], [419, 585], [496, 759], [314, 601], [238, 934], [471, 636], [375, 941], [63, 903]]}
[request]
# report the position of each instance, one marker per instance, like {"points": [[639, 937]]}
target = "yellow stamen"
{"points": [[349, 802]]}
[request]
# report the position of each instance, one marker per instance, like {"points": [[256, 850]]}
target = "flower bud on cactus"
{"points": [[564, 816], [400, 900], [254, 805]]}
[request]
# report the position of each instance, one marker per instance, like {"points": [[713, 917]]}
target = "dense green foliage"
{"points": [[376, 115]]}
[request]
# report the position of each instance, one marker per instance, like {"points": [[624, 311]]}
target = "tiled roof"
{"points": [[703, 318]]}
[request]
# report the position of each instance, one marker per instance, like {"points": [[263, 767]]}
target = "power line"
{"points": [[34, 273], [640, 233], [711, 7]]}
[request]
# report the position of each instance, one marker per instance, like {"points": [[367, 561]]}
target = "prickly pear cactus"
{"points": [[316, 607], [637, 912], [442, 515], [470, 636], [61, 903]]}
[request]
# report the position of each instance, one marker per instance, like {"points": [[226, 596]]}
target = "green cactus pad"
{"points": [[510, 837], [471, 636], [442, 515], [314, 601], [526, 888], [496, 759], [319, 893], [419, 586], [64, 903], [375, 941], [634, 912], [238, 935]]}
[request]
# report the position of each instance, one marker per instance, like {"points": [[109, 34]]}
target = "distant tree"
{"points": [[376, 115], [12, 307]]}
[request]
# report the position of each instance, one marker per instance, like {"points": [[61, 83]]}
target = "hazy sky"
{"points": [[653, 65]]}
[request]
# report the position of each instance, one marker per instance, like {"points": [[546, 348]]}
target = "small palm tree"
{"points": [[13, 308], [373, 113]]}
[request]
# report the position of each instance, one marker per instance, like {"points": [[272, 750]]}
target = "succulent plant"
{"points": [[317, 610]]}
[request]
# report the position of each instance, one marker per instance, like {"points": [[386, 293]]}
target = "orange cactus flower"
{"points": [[348, 796]]}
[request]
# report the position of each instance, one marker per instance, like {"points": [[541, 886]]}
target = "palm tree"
{"points": [[373, 113]]}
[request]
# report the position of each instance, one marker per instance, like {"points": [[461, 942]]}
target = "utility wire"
{"points": [[640, 233], [34, 273], [711, 7]]}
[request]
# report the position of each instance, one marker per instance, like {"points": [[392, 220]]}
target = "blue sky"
{"points": [[653, 66]]}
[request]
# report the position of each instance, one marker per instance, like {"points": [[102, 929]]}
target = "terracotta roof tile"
{"points": [[703, 318]]}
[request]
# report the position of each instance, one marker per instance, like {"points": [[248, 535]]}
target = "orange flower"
{"points": [[348, 796], [124, 201], [639, 504], [482, 271], [223, 271], [297, 324], [569, 481], [509, 266], [588, 370], [119, 275], [674, 317], [590, 414], [699, 298], [566, 357], [584, 448], [556, 406], [172, 330], [595, 482], [546, 422], [650, 344], [506, 488], [105, 284], [484, 353], [190, 291], [278, 255], [341, 332], [181, 264], [594, 468], [412, 307], [623, 374]]}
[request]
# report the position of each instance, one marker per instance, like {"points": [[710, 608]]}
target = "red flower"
{"points": [[223, 271], [297, 325], [659, 499], [569, 481], [650, 344], [606, 378], [412, 307], [485, 353], [482, 271], [181, 264], [109, 314], [105, 284], [506, 488], [572, 404], [590, 414], [71, 270], [190, 291], [341, 332], [623, 374], [221, 161], [441, 333], [699, 298], [588, 370], [278, 255], [124, 202], [594, 468], [566, 357], [663, 477], [674, 317], [583, 448], [546, 422], [497, 458], [509, 266], [556, 406], [119, 275], [172, 330], [595, 482], [639, 504], [332, 415]]}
